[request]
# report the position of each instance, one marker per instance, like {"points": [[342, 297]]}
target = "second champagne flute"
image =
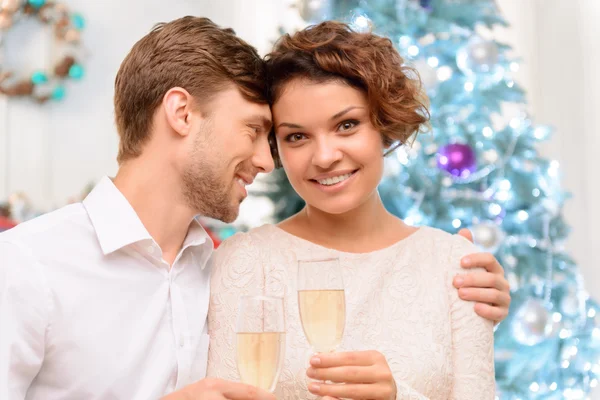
{"points": [[260, 340], [322, 303]]}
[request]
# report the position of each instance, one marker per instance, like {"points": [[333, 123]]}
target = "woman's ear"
{"points": [[389, 144]]}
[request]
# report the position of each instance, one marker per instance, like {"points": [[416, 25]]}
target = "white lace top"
{"points": [[399, 301]]}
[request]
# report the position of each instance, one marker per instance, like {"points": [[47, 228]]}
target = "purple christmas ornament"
{"points": [[457, 159], [426, 4]]}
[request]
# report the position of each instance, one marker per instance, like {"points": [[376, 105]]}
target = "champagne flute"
{"points": [[322, 303], [260, 337]]}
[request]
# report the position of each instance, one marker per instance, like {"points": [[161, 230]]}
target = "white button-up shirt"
{"points": [[90, 310]]}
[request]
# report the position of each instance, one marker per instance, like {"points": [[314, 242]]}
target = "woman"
{"points": [[340, 101]]}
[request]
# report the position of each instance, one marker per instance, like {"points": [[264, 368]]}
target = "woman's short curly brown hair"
{"points": [[333, 51]]}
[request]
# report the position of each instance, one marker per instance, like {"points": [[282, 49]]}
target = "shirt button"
{"points": [[151, 249]]}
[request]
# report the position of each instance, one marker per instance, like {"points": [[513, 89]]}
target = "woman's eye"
{"points": [[347, 125], [294, 137]]}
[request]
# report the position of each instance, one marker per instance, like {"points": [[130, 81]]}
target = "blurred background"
{"points": [[51, 153]]}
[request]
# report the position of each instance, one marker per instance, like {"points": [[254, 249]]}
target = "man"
{"points": [[107, 299]]}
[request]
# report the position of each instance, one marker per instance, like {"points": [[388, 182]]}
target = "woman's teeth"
{"points": [[334, 180]]}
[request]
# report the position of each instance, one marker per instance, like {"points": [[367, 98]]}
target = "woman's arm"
{"points": [[472, 338]]}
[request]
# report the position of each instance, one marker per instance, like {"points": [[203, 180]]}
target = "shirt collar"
{"points": [[197, 236], [117, 224]]}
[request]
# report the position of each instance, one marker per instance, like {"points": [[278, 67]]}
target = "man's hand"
{"points": [[218, 389], [490, 290]]}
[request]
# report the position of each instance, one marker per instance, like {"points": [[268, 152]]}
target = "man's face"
{"points": [[230, 147]]}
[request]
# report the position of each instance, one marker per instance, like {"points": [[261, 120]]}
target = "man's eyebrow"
{"points": [[261, 119]]}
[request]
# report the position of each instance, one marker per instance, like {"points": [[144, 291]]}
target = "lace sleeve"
{"points": [[405, 392], [236, 271], [472, 338]]}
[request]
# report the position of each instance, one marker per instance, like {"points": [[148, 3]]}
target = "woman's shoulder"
{"points": [[252, 235], [439, 235], [444, 243], [240, 253], [252, 240]]}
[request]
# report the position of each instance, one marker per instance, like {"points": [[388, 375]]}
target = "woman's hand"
{"points": [[364, 374], [489, 289]]}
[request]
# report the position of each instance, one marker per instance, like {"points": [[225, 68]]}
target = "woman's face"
{"points": [[332, 154]]}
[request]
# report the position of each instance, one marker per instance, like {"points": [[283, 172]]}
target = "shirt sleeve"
{"points": [[236, 271], [472, 337], [24, 311]]}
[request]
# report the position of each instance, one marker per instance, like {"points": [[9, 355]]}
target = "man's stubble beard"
{"points": [[206, 189]]}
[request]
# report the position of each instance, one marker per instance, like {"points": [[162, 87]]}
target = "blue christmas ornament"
{"points": [[76, 71], [36, 3], [58, 93], [39, 77], [78, 21], [227, 232]]}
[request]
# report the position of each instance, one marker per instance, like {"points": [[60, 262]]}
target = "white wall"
{"points": [[52, 152]]}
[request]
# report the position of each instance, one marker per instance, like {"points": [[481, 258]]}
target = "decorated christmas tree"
{"points": [[479, 168]]}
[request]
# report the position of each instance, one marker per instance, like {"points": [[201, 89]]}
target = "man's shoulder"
{"points": [[51, 229]]}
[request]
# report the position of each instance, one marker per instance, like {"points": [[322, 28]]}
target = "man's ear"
{"points": [[177, 104]]}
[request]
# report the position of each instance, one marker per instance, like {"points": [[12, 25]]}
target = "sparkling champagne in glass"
{"points": [[260, 337], [322, 303]]}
